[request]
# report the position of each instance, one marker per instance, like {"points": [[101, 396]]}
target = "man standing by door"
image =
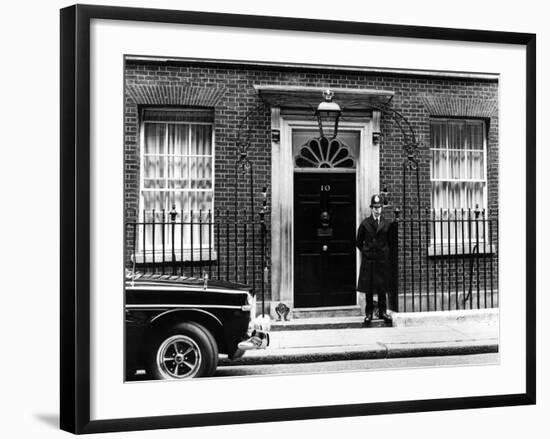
{"points": [[373, 243]]}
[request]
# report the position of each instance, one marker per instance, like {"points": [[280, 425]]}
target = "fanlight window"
{"points": [[325, 153]]}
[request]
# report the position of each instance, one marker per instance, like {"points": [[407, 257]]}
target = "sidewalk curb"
{"points": [[369, 352], [437, 349]]}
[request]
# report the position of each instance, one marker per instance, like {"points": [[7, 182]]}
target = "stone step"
{"points": [[485, 316], [326, 312], [325, 323]]}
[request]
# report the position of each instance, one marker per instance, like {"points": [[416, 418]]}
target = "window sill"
{"points": [[447, 249], [180, 256]]}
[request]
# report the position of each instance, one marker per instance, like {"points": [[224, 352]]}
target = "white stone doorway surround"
{"points": [[290, 110], [282, 204]]}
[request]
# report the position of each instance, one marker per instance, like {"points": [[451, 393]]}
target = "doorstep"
{"points": [[426, 318], [303, 324]]}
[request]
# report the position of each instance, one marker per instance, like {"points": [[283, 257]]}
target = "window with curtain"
{"points": [[177, 163], [458, 168]]}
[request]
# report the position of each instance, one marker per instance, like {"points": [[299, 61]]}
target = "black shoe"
{"points": [[386, 317], [368, 320]]}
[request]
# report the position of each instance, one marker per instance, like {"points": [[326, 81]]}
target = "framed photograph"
{"points": [[342, 210]]}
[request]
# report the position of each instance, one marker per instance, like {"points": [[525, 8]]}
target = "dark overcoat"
{"points": [[373, 243]]}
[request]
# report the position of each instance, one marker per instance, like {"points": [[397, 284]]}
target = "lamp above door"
{"points": [[328, 115]]}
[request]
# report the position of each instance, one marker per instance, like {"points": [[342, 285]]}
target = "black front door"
{"points": [[324, 239]]}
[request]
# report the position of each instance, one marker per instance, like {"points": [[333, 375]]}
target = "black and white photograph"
{"points": [[298, 219], [245, 219], [268, 219]]}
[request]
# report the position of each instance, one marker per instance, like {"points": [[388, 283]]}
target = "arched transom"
{"points": [[325, 153]]}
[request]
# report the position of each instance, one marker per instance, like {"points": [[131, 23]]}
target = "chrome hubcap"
{"points": [[179, 357]]}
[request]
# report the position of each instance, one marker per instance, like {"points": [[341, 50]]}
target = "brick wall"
{"points": [[229, 91]]}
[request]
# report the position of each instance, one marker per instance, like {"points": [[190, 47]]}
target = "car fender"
{"points": [[202, 317]]}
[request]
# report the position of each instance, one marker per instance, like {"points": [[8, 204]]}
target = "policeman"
{"points": [[373, 243]]}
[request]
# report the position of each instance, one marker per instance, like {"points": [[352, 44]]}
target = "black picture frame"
{"points": [[75, 217]]}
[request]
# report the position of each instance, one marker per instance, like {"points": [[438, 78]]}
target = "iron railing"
{"points": [[444, 260], [440, 260], [214, 244]]}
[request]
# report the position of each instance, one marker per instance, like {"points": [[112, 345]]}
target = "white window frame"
{"points": [[448, 245], [208, 252]]}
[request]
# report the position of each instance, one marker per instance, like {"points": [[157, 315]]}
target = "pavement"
{"points": [[412, 335]]}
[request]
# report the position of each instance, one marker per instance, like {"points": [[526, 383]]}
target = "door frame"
{"points": [[282, 195]]}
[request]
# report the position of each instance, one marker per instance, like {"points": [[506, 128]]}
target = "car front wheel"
{"points": [[188, 350]]}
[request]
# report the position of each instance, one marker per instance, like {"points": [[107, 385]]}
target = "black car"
{"points": [[176, 327]]}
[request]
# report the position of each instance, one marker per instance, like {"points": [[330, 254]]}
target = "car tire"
{"points": [[187, 350]]}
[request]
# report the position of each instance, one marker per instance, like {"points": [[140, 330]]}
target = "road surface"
{"points": [[357, 365]]}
